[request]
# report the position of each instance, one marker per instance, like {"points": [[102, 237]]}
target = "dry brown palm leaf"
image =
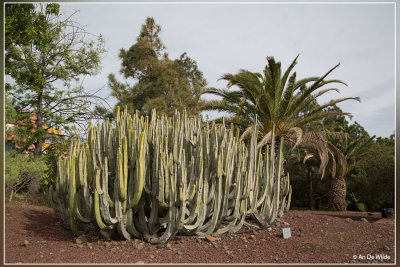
{"points": [[246, 132], [298, 135], [264, 140], [308, 156], [341, 158]]}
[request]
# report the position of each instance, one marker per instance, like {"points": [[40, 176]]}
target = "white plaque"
{"points": [[286, 233]]}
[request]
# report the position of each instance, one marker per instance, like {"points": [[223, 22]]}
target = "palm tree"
{"points": [[280, 101], [353, 150], [275, 99]]}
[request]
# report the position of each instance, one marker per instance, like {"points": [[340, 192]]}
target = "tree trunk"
{"points": [[34, 185], [310, 189], [337, 194]]}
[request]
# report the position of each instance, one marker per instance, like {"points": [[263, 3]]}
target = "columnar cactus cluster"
{"points": [[155, 178]]}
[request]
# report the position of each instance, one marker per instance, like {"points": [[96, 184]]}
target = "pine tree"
{"points": [[159, 82]]}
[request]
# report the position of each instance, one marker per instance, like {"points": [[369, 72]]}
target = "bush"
{"points": [[20, 170]]}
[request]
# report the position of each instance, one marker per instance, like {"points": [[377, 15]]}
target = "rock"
{"points": [[43, 242], [80, 246], [210, 238], [364, 220], [269, 229], [386, 248], [138, 246], [253, 237], [168, 245], [107, 244], [25, 243], [160, 246], [348, 220], [81, 239], [63, 250], [179, 253], [285, 223], [113, 250], [152, 256]]}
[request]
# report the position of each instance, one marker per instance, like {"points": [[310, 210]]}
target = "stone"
{"points": [[113, 250], [138, 246], [348, 220], [364, 220], [168, 245], [160, 246], [253, 237], [25, 243], [80, 246], [210, 238], [285, 223], [386, 248], [269, 229], [81, 239], [179, 253], [43, 242], [107, 244]]}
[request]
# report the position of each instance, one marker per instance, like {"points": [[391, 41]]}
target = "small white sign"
{"points": [[286, 233]]}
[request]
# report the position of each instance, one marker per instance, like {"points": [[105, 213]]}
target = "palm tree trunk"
{"points": [[310, 189], [337, 194]]}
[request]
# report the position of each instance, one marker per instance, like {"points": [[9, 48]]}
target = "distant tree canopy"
{"points": [[153, 80]]}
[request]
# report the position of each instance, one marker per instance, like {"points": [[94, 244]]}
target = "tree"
{"points": [[354, 147], [158, 82], [277, 100], [372, 180], [47, 54]]}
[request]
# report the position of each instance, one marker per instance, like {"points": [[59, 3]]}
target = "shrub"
{"points": [[20, 170]]}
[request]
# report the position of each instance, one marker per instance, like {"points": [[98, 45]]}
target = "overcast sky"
{"points": [[224, 38]]}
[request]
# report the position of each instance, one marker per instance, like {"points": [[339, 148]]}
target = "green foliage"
{"points": [[10, 112], [355, 204], [161, 83], [21, 169], [155, 178], [373, 178], [46, 56]]}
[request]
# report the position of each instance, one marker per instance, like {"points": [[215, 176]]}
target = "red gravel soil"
{"points": [[34, 234]]}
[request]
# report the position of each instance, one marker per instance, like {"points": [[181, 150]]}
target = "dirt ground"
{"points": [[34, 234]]}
